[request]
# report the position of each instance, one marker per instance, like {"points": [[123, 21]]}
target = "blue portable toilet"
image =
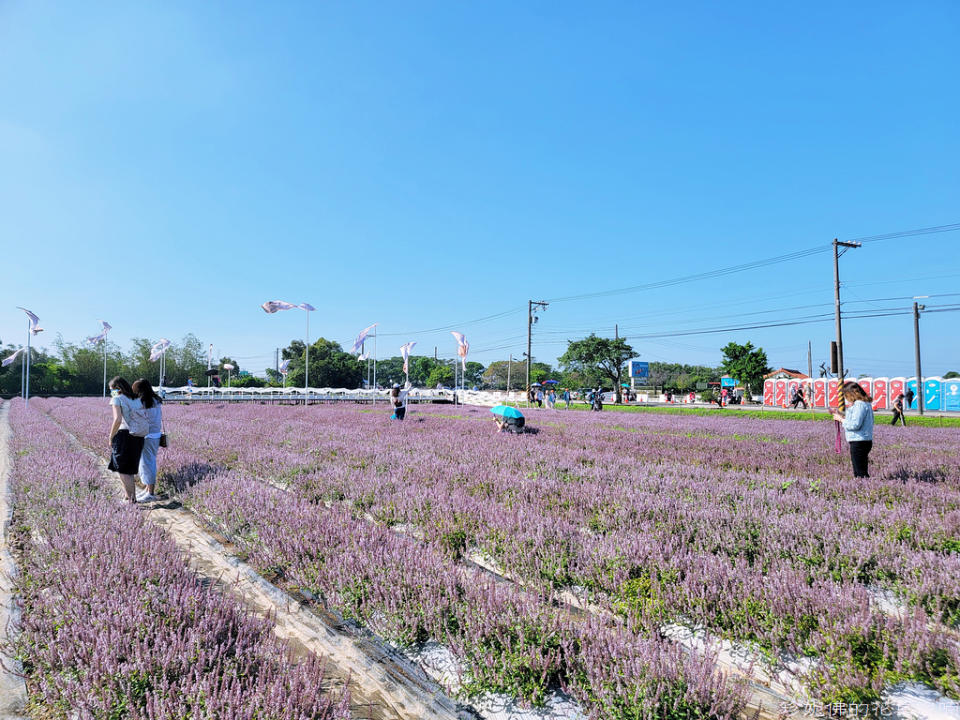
{"points": [[951, 394], [912, 385], [932, 393]]}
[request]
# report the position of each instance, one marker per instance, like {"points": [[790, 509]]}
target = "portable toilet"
{"points": [[780, 393], [867, 385], [911, 384], [932, 393], [833, 387], [820, 393], [951, 394], [881, 400], [768, 392], [895, 387]]}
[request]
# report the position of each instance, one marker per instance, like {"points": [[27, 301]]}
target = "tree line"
{"points": [[70, 369]]}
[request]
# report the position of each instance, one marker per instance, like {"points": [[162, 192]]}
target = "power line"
{"points": [[756, 264]]}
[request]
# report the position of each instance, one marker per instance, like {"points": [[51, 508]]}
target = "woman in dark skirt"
{"points": [[125, 446]]}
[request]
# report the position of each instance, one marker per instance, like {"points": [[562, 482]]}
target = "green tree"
{"points": [[745, 363], [440, 375], [473, 375], [950, 375], [496, 375], [603, 356], [330, 366]]}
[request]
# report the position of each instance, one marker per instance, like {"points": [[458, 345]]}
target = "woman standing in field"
{"points": [[858, 426], [126, 434], [151, 443]]}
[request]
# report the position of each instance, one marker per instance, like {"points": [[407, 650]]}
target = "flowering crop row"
{"points": [[507, 640], [753, 531], [115, 625]]}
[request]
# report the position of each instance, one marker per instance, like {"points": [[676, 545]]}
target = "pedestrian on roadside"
{"points": [[898, 411], [566, 397], [539, 397], [151, 442], [126, 434], [858, 425], [909, 395], [551, 399], [796, 397]]}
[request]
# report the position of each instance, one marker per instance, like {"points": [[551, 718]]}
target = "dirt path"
{"points": [[13, 691], [383, 685]]}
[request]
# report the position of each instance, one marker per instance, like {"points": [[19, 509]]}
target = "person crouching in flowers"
{"points": [[126, 434], [858, 426]]}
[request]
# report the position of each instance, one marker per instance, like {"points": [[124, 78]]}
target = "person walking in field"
{"points": [[566, 397], [151, 442], [909, 397], [898, 411], [857, 423], [129, 427]]}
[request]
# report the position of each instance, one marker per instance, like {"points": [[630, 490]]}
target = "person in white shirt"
{"points": [[151, 443], [125, 446]]}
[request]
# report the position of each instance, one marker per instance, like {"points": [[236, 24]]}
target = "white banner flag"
{"points": [[463, 347], [284, 367], [361, 337], [365, 356], [210, 356], [157, 350], [272, 306], [405, 353], [34, 321], [9, 360]]}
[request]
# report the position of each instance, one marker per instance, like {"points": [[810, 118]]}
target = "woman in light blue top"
{"points": [[858, 426], [151, 442]]}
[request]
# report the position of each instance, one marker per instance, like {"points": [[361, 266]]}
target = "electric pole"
{"points": [[836, 296], [509, 365], [809, 359], [531, 319], [916, 354]]}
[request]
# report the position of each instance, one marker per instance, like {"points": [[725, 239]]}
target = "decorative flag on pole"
{"points": [[272, 306], [405, 353], [463, 347], [9, 360], [210, 356], [107, 327], [306, 306], [157, 350], [284, 367], [364, 356], [34, 321], [361, 337]]}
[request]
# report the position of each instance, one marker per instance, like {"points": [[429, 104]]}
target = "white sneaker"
{"points": [[141, 494], [149, 498]]}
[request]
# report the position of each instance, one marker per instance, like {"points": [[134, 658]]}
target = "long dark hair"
{"points": [[144, 391], [119, 383], [853, 392]]}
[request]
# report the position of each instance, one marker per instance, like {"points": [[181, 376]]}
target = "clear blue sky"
{"points": [[170, 166]]}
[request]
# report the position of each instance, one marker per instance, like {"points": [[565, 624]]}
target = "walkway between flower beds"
{"points": [[13, 691], [383, 686]]}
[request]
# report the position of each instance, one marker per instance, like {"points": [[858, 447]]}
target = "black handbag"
{"points": [[163, 439]]}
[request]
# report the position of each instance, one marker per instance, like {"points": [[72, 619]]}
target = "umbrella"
{"points": [[506, 411], [624, 384], [535, 385], [551, 382]]}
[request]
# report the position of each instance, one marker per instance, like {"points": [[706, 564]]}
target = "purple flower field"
{"points": [[752, 531], [114, 624]]}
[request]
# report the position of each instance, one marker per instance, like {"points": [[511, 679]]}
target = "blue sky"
{"points": [[170, 166]]}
